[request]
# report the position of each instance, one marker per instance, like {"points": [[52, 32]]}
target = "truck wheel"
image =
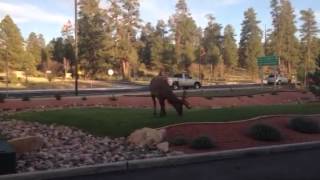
{"points": [[279, 83], [175, 86], [197, 85]]}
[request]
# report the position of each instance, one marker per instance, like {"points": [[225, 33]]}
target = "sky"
{"points": [[48, 16]]}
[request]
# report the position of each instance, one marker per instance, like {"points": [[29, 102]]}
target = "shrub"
{"points": [[84, 98], [202, 142], [250, 96], [25, 98], [264, 132], [209, 97], [314, 82], [274, 93], [113, 98], [304, 125], [179, 141], [58, 97], [2, 98]]}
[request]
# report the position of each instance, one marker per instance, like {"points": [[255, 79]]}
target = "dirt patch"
{"points": [[235, 135], [145, 102]]}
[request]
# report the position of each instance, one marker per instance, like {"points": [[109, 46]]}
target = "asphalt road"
{"points": [[299, 165], [117, 89]]}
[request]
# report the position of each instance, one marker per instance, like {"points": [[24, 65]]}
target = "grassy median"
{"points": [[121, 122]]}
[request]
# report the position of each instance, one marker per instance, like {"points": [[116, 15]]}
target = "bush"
{"points": [[113, 98], [84, 98], [314, 82], [2, 98], [264, 132], [25, 98], [179, 141], [304, 125], [202, 142], [209, 97], [274, 93], [58, 97]]}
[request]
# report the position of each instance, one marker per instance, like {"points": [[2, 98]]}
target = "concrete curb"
{"points": [[218, 156], [163, 162], [68, 172]]}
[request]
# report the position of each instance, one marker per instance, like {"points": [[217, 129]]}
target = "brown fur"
{"points": [[161, 90]]}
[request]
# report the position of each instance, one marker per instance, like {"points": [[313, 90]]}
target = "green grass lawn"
{"points": [[121, 122]]}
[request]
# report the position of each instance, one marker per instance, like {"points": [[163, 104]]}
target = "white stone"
{"points": [[164, 147], [146, 137]]}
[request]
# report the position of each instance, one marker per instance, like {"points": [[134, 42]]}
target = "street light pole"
{"points": [[76, 45]]}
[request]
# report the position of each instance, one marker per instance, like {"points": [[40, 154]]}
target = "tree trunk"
{"points": [[211, 72], [125, 69]]}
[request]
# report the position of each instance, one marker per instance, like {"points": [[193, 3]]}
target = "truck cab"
{"points": [[183, 80]]}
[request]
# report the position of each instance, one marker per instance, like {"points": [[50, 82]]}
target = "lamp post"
{"points": [[76, 45]]}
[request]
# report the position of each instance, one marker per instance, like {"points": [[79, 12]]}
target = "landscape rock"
{"points": [[70, 147], [146, 137], [26, 144], [163, 147]]}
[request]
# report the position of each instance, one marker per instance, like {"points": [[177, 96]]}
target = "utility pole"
{"points": [[76, 45]]}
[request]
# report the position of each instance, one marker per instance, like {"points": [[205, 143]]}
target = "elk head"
{"points": [[180, 103]]}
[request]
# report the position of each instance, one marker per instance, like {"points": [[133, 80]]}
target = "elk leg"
{"points": [[154, 105], [163, 110]]}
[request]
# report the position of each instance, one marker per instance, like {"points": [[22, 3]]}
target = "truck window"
{"points": [[188, 76], [178, 76]]}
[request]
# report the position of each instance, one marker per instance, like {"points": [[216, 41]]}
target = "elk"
{"points": [[160, 89]]}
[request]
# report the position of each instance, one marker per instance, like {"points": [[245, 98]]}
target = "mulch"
{"points": [[145, 102], [234, 135]]}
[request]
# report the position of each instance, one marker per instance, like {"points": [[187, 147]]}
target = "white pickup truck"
{"points": [[183, 81]]}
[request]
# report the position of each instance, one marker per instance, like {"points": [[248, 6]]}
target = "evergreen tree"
{"points": [[212, 43], [14, 43], [309, 31], [91, 38], [230, 49], [125, 22], [163, 47], [34, 47], [146, 38], [185, 35], [250, 47], [283, 40]]}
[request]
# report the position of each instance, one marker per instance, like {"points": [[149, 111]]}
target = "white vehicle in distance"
{"points": [[183, 81], [277, 79]]}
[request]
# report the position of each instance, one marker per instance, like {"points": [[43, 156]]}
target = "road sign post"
{"points": [[267, 61]]}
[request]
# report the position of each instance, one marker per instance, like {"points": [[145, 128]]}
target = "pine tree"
{"points": [[185, 36], [250, 47], [91, 38], [125, 22], [212, 43], [146, 38], [34, 47], [163, 47], [283, 40], [309, 31], [230, 49], [14, 43]]}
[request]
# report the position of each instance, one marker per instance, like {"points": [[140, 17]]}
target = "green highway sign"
{"points": [[268, 61]]}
